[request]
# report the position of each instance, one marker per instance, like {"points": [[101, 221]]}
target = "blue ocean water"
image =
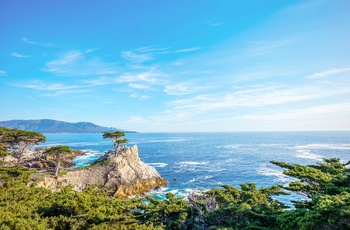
{"points": [[194, 161]]}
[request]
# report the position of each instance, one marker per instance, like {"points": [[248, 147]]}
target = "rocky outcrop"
{"points": [[37, 159], [124, 174]]}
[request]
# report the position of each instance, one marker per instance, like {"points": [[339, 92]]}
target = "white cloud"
{"points": [[100, 81], [54, 89], [150, 76], [140, 97], [38, 85], [181, 89], [256, 97], [150, 49], [66, 91], [214, 23], [14, 54], [3, 72], [188, 49], [177, 89], [29, 42], [138, 86], [267, 47], [91, 50], [328, 73], [136, 119], [137, 58], [26, 40], [76, 63], [108, 102], [178, 63], [315, 111]]}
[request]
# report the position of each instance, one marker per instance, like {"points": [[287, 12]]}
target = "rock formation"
{"points": [[124, 174]]}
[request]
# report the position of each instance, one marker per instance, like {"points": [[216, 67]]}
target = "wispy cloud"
{"points": [[100, 81], [3, 72], [77, 63], [214, 23], [66, 91], [177, 63], [328, 73], [38, 85], [28, 41], [267, 47], [135, 57], [140, 97], [256, 97], [54, 89], [14, 54], [91, 50], [177, 89], [151, 76], [151, 49], [136, 119], [188, 49], [181, 89], [315, 111], [138, 86]]}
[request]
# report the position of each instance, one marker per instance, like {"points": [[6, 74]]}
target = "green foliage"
{"points": [[24, 206], [171, 213], [245, 208], [59, 152], [117, 139], [18, 141], [327, 187], [59, 149], [4, 145]]}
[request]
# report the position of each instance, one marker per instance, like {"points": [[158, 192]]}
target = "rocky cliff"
{"points": [[124, 174]]}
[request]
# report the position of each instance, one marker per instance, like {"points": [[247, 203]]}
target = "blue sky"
{"points": [[162, 65]]}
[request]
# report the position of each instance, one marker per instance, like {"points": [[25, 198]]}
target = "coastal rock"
{"points": [[124, 174]]}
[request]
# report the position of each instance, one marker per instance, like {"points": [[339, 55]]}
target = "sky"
{"points": [[178, 66]]}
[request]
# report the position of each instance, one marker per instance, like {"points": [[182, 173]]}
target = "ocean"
{"points": [[200, 161]]}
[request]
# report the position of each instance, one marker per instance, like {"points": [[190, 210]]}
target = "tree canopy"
{"points": [[59, 151], [228, 207], [16, 142], [117, 139], [326, 186]]}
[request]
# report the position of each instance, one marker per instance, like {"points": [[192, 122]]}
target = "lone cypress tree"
{"points": [[60, 152], [117, 139], [16, 142]]}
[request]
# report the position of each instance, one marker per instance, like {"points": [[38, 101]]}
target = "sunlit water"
{"points": [[194, 161]]}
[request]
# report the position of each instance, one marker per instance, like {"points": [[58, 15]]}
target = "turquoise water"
{"points": [[191, 161]]}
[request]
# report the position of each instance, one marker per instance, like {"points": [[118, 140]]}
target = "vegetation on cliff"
{"points": [[59, 152], [16, 142], [117, 139], [326, 187], [24, 206]]}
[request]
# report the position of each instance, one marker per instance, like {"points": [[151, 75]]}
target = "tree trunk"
{"points": [[116, 148], [20, 156], [58, 165]]}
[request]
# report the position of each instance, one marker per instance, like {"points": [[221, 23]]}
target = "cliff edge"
{"points": [[124, 174]]}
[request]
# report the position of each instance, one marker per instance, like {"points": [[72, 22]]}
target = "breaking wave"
{"points": [[159, 165]]}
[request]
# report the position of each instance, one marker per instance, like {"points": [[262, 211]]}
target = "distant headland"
{"points": [[54, 126]]}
